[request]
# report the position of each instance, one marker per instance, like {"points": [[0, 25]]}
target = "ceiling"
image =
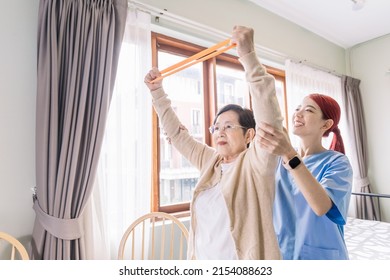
{"points": [[335, 20]]}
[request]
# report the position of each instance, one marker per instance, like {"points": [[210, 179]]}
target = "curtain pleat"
{"points": [[78, 50], [365, 207]]}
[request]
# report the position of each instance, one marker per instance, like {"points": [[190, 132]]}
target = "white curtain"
{"points": [[123, 185]]}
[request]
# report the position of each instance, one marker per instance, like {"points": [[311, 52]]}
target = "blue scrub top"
{"points": [[303, 235]]}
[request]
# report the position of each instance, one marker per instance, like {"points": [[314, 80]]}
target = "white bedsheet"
{"points": [[367, 240]]}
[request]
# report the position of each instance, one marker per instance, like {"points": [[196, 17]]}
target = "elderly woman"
{"points": [[313, 184], [231, 209]]}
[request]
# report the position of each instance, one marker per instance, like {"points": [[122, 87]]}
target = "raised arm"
{"points": [[261, 84], [197, 153], [262, 90]]}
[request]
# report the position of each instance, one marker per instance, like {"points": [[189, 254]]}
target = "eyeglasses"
{"points": [[227, 127]]}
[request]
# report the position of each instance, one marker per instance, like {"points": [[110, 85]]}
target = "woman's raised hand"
{"points": [[153, 74]]}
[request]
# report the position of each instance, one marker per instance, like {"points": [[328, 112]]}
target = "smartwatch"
{"points": [[294, 162]]}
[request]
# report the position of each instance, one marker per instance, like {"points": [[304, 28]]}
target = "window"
{"points": [[196, 121], [197, 93]]}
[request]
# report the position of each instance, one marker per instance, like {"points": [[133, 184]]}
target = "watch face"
{"points": [[294, 162]]}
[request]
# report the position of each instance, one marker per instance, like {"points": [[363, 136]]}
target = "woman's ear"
{"points": [[328, 124], [250, 134]]}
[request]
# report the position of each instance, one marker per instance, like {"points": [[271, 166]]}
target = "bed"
{"points": [[367, 239]]}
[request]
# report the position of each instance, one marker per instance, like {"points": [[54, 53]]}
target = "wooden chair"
{"points": [[156, 235], [17, 248]]}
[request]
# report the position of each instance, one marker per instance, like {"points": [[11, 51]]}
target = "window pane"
{"points": [[184, 88], [231, 87]]}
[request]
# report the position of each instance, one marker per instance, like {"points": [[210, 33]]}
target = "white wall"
{"points": [[18, 29], [370, 62]]}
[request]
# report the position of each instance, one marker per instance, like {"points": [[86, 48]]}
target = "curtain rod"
{"points": [[270, 54], [203, 29]]}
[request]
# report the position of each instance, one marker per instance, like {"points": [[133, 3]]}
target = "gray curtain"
{"points": [[78, 49], [364, 206]]}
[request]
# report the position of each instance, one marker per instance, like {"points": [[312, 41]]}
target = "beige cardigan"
{"points": [[248, 188]]}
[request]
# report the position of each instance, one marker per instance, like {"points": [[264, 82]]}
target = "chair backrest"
{"points": [[17, 250], [156, 235]]}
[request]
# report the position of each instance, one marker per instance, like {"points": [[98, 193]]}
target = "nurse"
{"points": [[313, 184]]}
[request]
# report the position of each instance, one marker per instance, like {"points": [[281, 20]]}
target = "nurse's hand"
{"points": [[275, 141]]}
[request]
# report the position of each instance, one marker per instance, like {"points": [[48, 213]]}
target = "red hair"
{"points": [[330, 110]]}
